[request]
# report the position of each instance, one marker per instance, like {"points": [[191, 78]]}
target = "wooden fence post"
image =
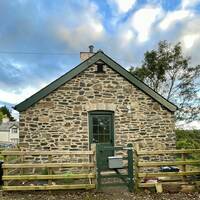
{"points": [[22, 161], [93, 160], [130, 167], [49, 169], [183, 156], [5, 170], [136, 169], [98, 170]]}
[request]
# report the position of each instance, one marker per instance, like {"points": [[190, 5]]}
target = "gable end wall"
{"points": [[59, 121]]}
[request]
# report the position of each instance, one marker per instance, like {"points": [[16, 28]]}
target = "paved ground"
{"points": [[89, 195]]}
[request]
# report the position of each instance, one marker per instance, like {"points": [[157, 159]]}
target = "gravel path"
{"points": [[82, 195]]}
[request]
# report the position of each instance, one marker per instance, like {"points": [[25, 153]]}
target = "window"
{"points": [[14, 130], [101, 127], [100, 68]]}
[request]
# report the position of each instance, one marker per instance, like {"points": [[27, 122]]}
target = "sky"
{"points": [[41, 39]]}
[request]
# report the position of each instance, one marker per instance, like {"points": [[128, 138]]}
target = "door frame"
{"points": [[101, 112]]}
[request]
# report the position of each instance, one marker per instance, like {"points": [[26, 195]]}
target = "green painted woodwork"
{"points": [[130, 167], [84, 65], [102, 156], [127, 179], [101, 127], [101, 132]]}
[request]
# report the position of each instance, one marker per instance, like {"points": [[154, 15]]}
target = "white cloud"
{"points": [[189, 3], [89, 28], [143, 20], [189, 126], [173, 17], [127, 36], [189, 34], [123, 5], [15, 114], [14, 98], [190, 39]]}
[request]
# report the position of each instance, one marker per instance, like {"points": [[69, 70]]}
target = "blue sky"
{"points": [[56, 31]]}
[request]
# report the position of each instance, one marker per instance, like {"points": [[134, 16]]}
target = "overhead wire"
{"points": [[51, 53], [38, 53]]}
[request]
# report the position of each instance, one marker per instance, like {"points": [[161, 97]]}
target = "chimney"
{"points": [[85, 55]]}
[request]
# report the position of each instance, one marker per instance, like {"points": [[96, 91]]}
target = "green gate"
{"points": [[104, 162]]}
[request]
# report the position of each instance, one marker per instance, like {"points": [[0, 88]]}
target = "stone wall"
{"points": [[60, 120]]}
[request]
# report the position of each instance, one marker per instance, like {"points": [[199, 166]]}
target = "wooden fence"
{"points": [[24, 162], [183, 177], [22, 169]]}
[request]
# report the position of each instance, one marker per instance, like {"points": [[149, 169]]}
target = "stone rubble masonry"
{"points": [[59, 121]]}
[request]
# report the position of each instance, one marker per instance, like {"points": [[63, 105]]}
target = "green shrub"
{"points": [[188, 139]]}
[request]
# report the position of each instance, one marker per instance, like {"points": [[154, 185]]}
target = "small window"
{"points": [[14, 130], [100, 68]]}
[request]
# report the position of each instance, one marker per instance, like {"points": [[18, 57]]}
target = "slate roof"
{"points": [[84, 65], [7, 125]]}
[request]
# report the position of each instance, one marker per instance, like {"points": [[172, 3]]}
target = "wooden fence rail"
{"points": [[12, 182], [40, 153], [142, 172], [22, 169]]}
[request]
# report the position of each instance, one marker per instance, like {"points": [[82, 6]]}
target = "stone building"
{"points": [[98, 101]]}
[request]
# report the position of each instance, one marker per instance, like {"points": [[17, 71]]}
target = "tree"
{"points": [[6, 112], [167, 71], [1, 116]]}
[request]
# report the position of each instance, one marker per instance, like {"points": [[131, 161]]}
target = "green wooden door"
{"points": [[101, 132]]}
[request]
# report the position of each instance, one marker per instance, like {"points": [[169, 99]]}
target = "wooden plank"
{"points": [[22, 161], [49, 187], [136, 168], [169, 183], [146, 185], [92, 160], [168, 163], [159, 188], [130, 167], [46, 165], [184, 168], [34, 153], [3, 149], [160, 152], [50, 169], [5, 171], [46, 177], [159, 174]]}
